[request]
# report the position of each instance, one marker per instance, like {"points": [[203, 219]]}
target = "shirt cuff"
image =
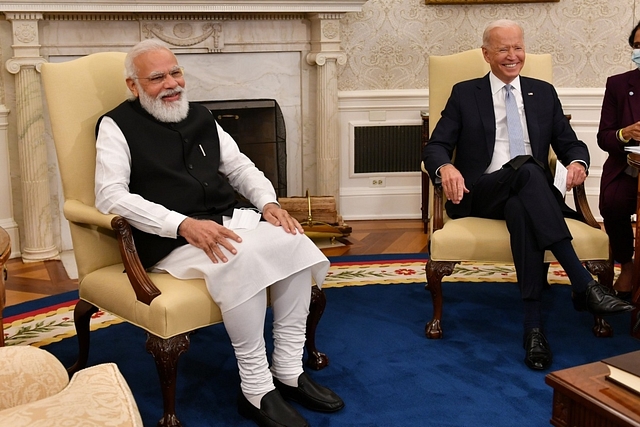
{"points": [[264, 201], [583, 163], [171, 224], [438, 170]]}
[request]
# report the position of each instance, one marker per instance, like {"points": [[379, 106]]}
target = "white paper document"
{"points": [[246, 219], [560, 180], [633, 149]]}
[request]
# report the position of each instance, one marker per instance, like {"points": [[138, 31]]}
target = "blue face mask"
{"points": [[635, 57]]}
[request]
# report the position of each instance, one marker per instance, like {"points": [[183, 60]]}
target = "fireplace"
{"points": [[257, 125], [287, 50]]}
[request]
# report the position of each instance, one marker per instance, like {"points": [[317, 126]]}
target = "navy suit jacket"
{"points": [[620, 108], [468, 126]]}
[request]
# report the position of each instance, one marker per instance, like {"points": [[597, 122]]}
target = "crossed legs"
{"points": [[524, 198]]}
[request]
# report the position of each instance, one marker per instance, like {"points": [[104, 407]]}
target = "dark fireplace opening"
{"points": [[257, 125]]}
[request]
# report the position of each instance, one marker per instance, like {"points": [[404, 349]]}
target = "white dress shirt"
{"points": [[501, 149]]}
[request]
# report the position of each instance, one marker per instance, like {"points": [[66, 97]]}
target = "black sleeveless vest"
{"points": [[174, 165]]}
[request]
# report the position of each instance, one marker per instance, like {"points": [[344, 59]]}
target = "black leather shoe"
{"points": [[599, 300], [274, 411], [538, 353], [310, 395]]}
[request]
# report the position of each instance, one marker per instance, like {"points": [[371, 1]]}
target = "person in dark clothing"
{"points": [[502, 127]]}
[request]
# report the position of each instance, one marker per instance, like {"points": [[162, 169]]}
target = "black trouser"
{"points": [[617, 204], [524, 198]]}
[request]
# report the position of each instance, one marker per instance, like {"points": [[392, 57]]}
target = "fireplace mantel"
{"points": [[180, 6]]}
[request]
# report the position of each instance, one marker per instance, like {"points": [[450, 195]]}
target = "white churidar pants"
{"points": [[267, 257]]}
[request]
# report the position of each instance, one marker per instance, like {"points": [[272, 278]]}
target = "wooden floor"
{"points": [[28, 281]]}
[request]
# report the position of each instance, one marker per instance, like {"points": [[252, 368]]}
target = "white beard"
{"points": [[172, 112]]}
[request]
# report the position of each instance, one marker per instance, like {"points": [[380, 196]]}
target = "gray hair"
{"points": [[500, 23], [148, 45]]}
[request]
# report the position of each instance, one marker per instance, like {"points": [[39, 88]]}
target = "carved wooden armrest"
{"points": [[582, 206], [81, 213], [438, 208], [144, 288]]}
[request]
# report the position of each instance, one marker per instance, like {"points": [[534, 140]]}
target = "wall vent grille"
{"points": [[384, 149]]}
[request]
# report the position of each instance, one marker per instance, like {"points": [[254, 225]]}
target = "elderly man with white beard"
{"points": [[166, 166]]}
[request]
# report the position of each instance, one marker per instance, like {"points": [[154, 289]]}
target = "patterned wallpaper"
{"points": [[388, 43]]}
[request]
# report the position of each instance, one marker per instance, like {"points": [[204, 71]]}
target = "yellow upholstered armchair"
{"points": [[452, 241], [111, 276]]}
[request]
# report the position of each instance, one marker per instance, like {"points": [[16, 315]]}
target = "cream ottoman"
{"points": [[35, 391]]}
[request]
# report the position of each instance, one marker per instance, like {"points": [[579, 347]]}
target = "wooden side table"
{"points": [[633, 159], [583, 397], [5, 251]]}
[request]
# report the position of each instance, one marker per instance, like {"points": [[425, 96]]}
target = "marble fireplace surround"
{"points": [[286, 50]]}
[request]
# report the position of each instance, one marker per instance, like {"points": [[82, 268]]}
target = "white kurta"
{"points": [[266, 254]]}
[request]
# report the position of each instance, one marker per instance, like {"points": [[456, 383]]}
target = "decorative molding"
{"points": [[320, 58], [25, 32], [182, 34], [172, 16], [22, 16], [14, 65], [183, 6], [331, 30]]}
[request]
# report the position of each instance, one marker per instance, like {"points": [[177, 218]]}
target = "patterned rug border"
{"points": [[54, 323]]}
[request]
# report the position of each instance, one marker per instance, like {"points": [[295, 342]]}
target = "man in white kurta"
{"points": [[157, 138]]}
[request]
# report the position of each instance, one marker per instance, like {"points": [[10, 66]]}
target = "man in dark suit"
{"points": [[501, 127]]}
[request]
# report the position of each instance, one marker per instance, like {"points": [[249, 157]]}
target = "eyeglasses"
{"points": [[158, 78]]}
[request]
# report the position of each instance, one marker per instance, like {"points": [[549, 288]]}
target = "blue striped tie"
{"points": [[516, 139]]}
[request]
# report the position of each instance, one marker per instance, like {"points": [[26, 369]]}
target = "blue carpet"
{"points": [[382, 365]]}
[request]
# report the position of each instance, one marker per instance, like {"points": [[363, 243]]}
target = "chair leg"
{"points": [[435, 271], [604, 271], [81, 318], [315, 359], [166, 353]]}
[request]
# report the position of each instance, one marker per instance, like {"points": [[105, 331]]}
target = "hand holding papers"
{"points": [[560, 179]]}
